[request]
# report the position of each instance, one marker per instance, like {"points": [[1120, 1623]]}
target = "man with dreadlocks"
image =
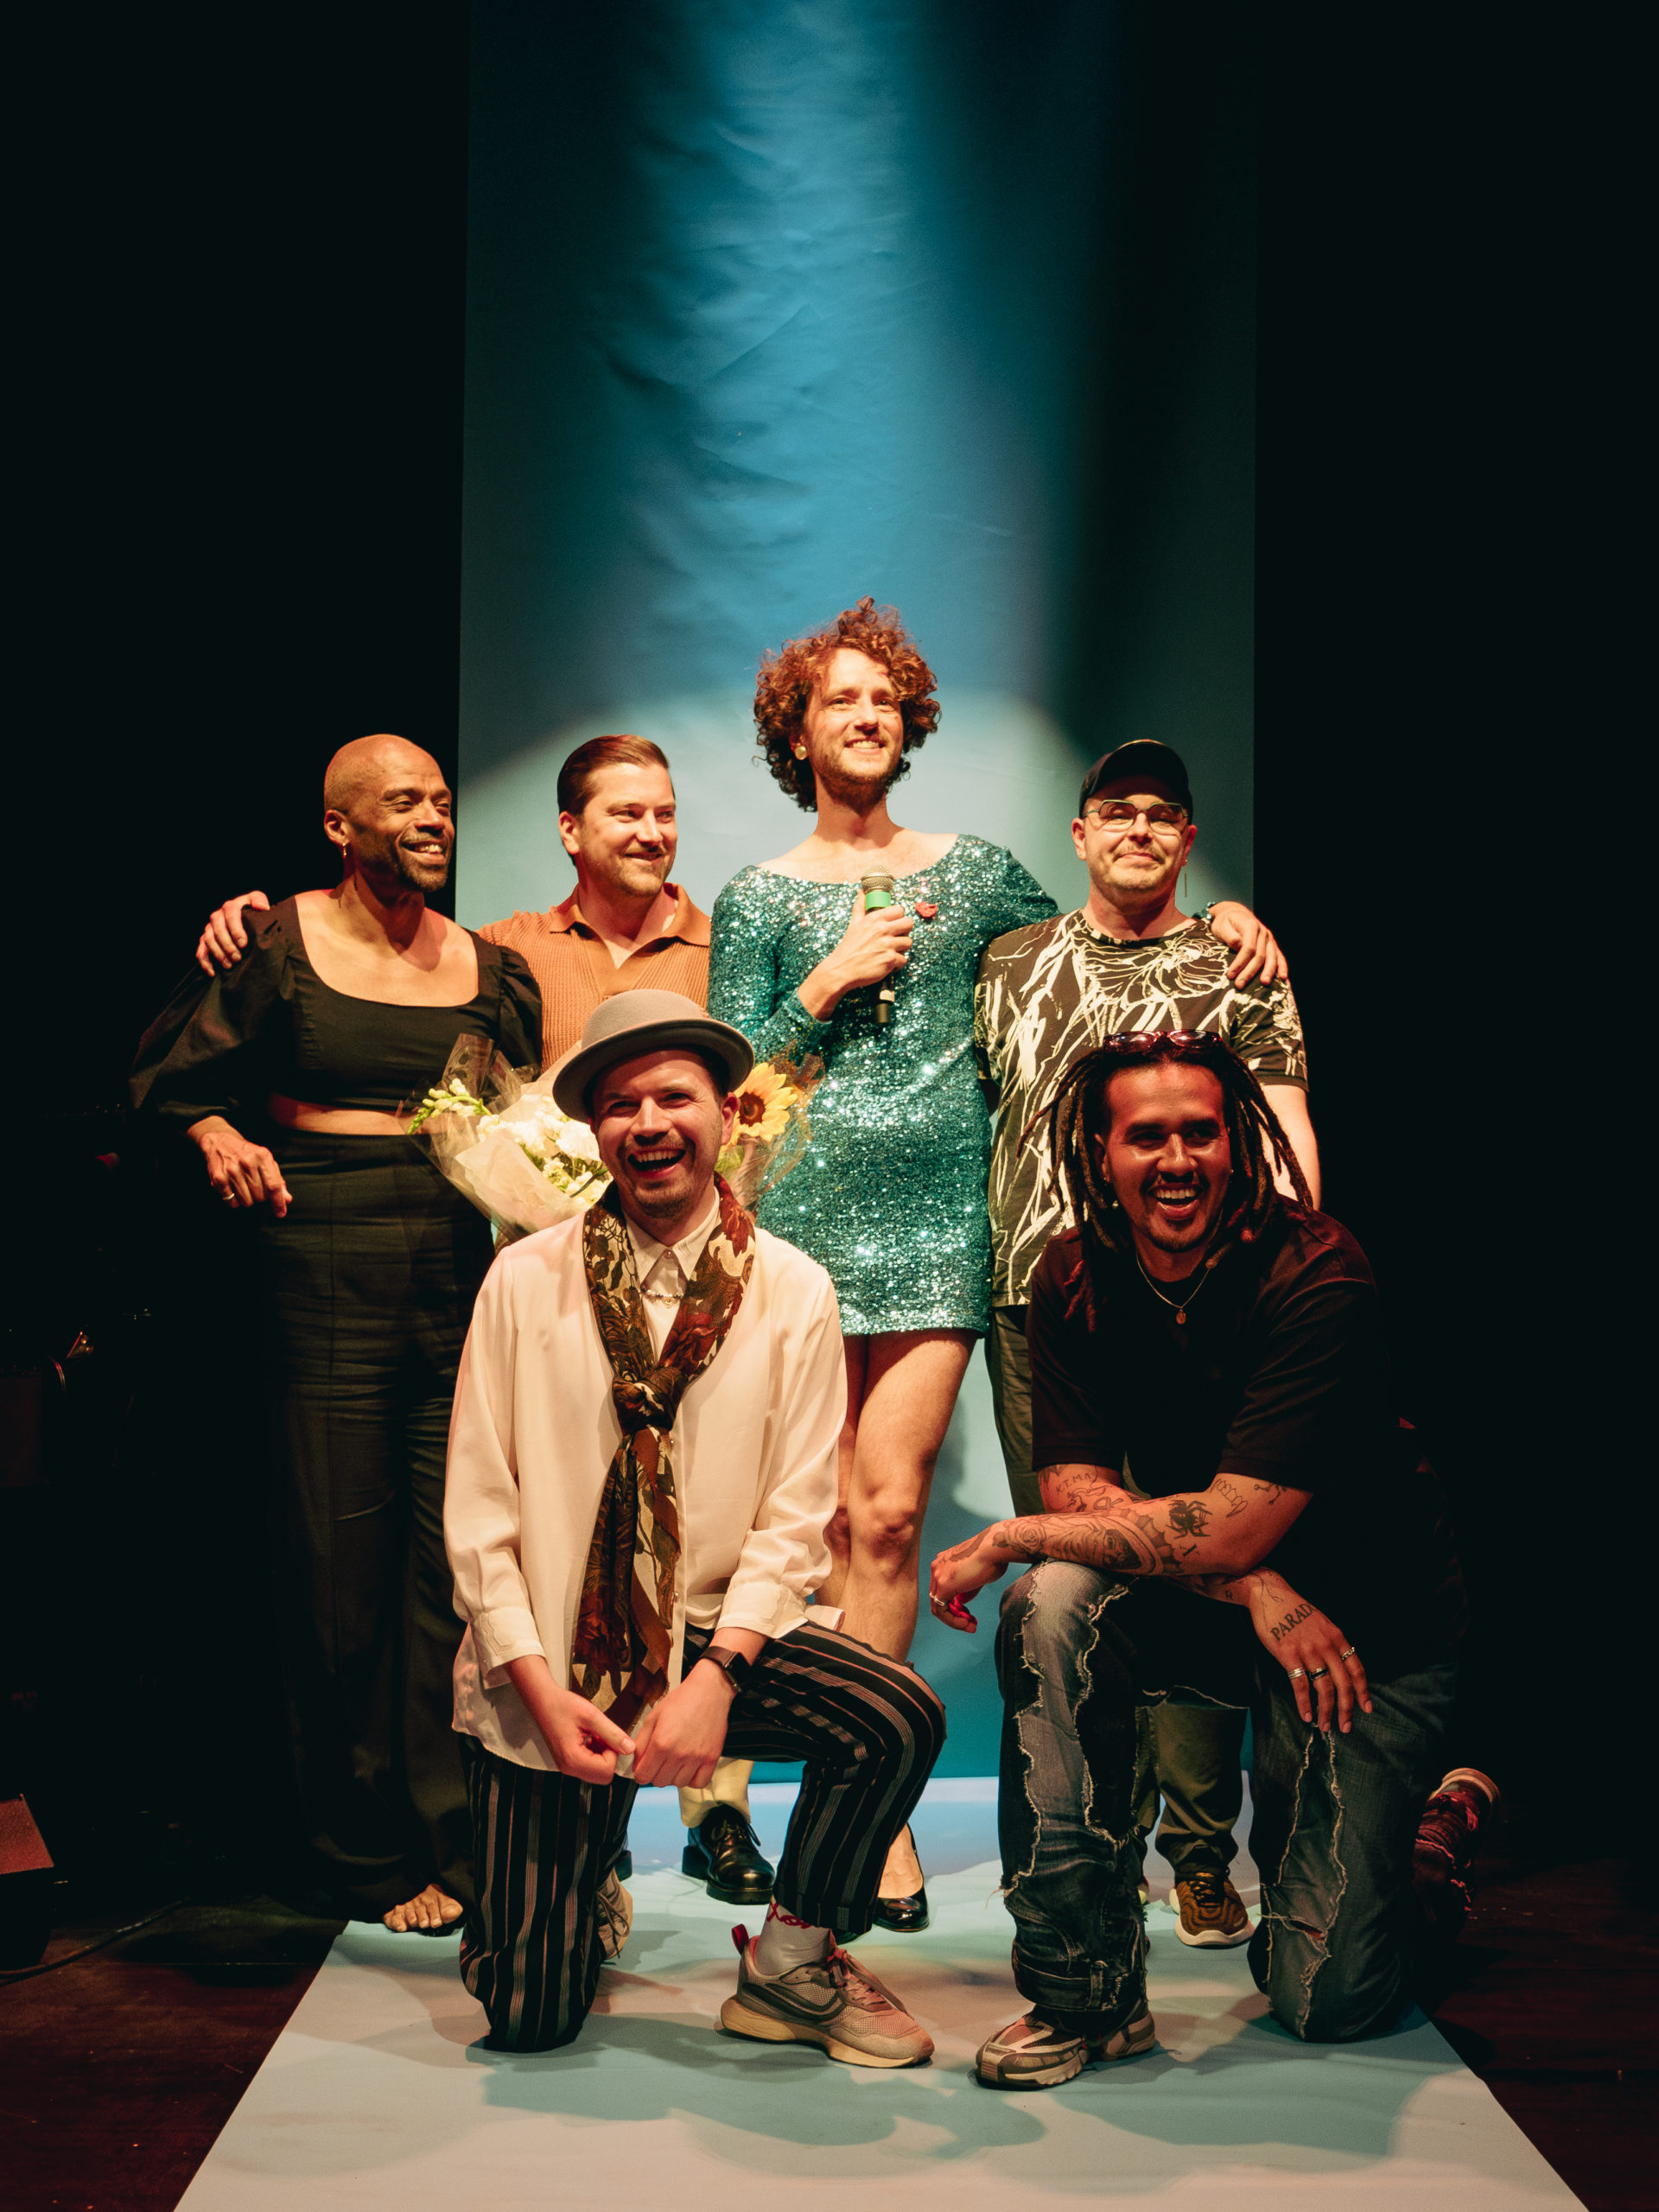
{"points": [[1227, 1343], [1127, 959]]}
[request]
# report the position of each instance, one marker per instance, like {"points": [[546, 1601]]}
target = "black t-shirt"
{"points": [[1279, 1370]]}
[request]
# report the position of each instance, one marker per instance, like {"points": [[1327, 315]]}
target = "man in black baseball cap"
{"points": [[1143, 760], [1128, 959]]}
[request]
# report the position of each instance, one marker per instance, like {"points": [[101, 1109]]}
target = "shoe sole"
{"points": [[1212, 1939], [1472, 1775], [1067, 2069], [1047, 2077], [739, 2020], [729, 1897]]}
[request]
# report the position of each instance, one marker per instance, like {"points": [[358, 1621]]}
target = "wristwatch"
{"points": [[732, 1664]]}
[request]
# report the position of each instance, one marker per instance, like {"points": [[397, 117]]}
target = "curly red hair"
{"points": [[784, 688]]}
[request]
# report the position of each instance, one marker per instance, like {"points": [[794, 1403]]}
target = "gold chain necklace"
{"points": [[1180, 1304]]}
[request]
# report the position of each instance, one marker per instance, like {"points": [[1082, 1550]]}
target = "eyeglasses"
{"points": [[1117, 815], [1132, 1043]]}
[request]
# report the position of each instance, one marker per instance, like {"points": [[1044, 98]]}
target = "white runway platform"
{"points": [[372, 2100]]}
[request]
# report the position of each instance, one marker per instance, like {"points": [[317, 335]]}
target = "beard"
{"points": [[667, 1198], [1191, 1237], [1134, 889], [423, 875], [850, 789], [633, 876], [387, 857]]}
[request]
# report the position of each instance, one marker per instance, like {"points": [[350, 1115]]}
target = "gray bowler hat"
{"points": [[632, 1022]]}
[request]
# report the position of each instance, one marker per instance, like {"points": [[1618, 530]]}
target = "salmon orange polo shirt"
{"points": [[574, 967]]}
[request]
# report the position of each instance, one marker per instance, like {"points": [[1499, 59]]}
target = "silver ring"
{"points": [[1296, 1673], [1317, 1674], [1349, 1654]]}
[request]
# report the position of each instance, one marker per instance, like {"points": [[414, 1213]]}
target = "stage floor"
{"points": [[373, 2098]]}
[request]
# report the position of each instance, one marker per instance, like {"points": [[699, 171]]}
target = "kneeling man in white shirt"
{"points": [[642, 1463]]}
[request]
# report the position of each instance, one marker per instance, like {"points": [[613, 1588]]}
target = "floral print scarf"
{"points": [[619, 1654]]}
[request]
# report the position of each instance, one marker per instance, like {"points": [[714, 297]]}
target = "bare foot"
{"points": [[434, 1908], [902, 1876]]}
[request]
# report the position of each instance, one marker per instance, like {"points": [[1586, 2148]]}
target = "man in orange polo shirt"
{"points": [[625, 927]]}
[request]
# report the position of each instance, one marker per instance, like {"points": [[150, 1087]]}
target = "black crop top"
{"points": [[273, 1024]]}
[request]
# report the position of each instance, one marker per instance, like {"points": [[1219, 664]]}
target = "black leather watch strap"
{"points": [[732, 1664]]}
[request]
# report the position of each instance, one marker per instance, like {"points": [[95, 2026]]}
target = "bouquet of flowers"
{"points": [[495, 1133], [773, 1130]]}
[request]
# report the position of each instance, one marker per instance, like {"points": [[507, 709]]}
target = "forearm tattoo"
{"points": [[1121, 1534]]}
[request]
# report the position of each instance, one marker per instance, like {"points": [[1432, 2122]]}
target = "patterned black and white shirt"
{"points": [[1055, 989]]}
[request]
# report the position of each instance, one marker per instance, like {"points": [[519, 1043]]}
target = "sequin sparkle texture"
{"points": [[890, 1197]]}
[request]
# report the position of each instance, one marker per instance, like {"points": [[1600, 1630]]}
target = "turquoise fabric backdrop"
{"points": [[772, 305]]}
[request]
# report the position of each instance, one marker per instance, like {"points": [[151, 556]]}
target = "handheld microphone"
{"points": [[878, 889]]}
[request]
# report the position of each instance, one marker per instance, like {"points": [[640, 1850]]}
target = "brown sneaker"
{"points": [[834, 2003], [1448, 1841], [1213, 1913], [1031, 2053]]}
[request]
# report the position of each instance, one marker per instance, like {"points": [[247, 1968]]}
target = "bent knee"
{"points": [[889, 1534], [1311, 2000], [930, 1728], [1336, 2020], [1054, 1611]]}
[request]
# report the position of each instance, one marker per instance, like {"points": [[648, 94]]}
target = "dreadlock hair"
{"points": [[1079, 1115]]}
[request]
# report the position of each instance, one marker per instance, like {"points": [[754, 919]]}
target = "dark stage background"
{"points": [[242, 442]]}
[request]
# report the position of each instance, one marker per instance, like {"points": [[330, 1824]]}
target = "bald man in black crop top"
{"points": [[286, 1075]]}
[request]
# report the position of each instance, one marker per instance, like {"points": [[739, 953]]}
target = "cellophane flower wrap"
{"points": [[772, 1128], [494, 1132]]}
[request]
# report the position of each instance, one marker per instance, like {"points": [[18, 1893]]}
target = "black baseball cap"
{"points": [[1141, 756]]}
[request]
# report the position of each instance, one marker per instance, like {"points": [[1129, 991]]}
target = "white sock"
{"points": [[785, 1942]]}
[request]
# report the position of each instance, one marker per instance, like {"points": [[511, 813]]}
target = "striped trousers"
{"points": [[868, 1730]]}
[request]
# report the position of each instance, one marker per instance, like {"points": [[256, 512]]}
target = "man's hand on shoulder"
{"points": [[1257, 957], [224, 939]]}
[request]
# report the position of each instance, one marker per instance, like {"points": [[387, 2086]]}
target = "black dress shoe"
{"points": [[723, 1852]]}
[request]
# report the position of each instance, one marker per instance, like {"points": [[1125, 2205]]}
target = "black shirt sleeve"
{"points": [[206, 1053], [520, 1033], [1072, 1402], [1315, 1408]]}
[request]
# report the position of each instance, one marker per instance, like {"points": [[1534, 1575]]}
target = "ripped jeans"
{"points": [[1335, 1816]]}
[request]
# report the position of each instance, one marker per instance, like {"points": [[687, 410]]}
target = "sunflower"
{"points": [[764, 1104]]}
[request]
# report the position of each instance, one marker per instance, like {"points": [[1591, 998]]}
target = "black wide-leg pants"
{"points": [[869, 1729], [369, 1289]]}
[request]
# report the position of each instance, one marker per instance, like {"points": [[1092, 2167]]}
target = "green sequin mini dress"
{"points": [[890, 1195]]}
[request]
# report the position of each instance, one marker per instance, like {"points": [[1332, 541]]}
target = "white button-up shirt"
{"points": [[535, 1428]]}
